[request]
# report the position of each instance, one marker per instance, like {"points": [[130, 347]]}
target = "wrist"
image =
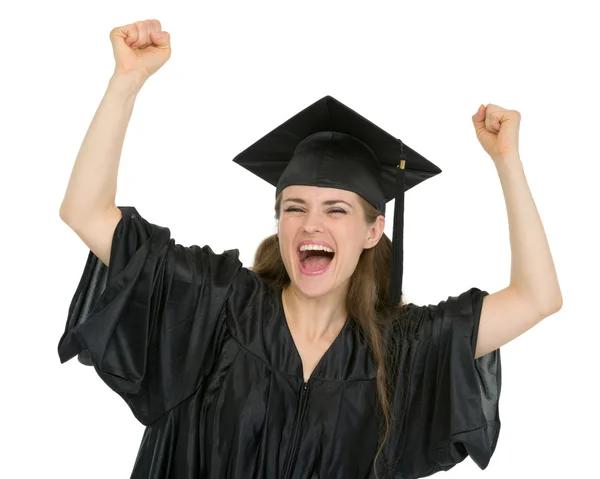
{"points": [[509, 158], [130, 82]]}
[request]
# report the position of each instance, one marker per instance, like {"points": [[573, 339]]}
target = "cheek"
{"points": [[352, 246], [284, 249], [351, 255], [286, 240]]}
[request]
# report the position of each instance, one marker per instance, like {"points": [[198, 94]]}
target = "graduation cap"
{"points": [[330, 145]]}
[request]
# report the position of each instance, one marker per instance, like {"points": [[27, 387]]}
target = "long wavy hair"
{"points": [[366, 302]]}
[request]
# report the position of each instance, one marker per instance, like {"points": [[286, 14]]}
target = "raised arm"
{"points": [[533, 292], [89, 205]]}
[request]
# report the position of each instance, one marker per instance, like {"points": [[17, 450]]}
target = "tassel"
{"points": [[398, 234]]}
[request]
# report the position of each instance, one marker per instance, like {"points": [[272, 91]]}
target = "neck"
{"points": [[315, 318]]}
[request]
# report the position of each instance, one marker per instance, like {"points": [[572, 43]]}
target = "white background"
{"points": [[238, 70]]}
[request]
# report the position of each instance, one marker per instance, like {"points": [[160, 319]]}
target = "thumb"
{"points": [[479, 118]]}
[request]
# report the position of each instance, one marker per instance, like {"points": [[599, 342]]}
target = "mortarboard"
{"points": [[330, 145]]}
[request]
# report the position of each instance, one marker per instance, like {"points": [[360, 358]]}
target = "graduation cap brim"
{"points": [[269, 156]]}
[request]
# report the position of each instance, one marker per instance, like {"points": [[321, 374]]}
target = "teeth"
{"points": [[315, 247]]}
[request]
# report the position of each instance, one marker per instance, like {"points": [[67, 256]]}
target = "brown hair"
{"points": [[366, 302]]}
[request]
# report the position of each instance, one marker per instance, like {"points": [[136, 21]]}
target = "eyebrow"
{"points": [[326, 203]]}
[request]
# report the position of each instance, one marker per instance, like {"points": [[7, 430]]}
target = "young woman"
{"points": [[308, 364]]}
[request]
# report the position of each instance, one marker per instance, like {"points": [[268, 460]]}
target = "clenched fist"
{"points": [[140, 47], [497, 130]]}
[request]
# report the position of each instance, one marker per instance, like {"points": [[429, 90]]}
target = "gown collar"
{"points": [[347, 359]]}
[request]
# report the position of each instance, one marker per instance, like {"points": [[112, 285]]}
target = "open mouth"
{"points": [[315, 259]]}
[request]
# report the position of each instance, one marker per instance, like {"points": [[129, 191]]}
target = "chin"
{"points": [[312, 289], [315, 286]]}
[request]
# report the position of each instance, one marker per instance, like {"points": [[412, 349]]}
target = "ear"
{"points": [[375, 232]]}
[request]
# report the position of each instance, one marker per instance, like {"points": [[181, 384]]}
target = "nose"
{"points": [[313, 222]]}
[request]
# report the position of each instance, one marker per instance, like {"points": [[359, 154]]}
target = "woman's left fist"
{"points": [[497, 130]]}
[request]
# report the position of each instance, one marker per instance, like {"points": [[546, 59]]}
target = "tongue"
{"points": [[316, 263]]}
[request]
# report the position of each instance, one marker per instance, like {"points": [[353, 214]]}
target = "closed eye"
{"points": [[294, 209]]}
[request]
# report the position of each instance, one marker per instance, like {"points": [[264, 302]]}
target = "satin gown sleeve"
{"points": [[452, 410], [147, 323]]}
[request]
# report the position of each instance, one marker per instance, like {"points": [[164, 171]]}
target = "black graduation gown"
{"points": [[199, 349]]}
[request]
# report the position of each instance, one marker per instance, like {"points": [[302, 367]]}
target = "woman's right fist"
{"points": [[140, 47]]}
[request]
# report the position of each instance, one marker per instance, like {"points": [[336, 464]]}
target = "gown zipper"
{"points": [[293, 452]]}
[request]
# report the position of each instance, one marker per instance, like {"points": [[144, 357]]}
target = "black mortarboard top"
{"points": [[330, 145]]}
